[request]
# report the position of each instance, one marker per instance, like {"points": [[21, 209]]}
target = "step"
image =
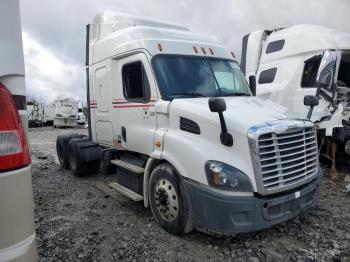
{"points": [[128, 166], [126, 191]]}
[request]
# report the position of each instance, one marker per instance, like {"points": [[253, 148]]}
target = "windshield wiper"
{"points": [[236, 94], [188, 94]]}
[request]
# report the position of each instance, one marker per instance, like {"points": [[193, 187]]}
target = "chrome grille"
{"points": [[287, 158]]}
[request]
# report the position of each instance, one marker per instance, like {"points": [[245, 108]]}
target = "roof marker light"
{"points": [[195, 49], [211, 51], [203, 50], [160, 47]]}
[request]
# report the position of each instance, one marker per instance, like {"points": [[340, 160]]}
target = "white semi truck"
{"points": [[48, 113], [300, 60], [172, 108], [40, 114], [34, 113], [81, 120], [66, 111]]}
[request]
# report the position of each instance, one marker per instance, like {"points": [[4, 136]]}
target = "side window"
{"points": [[135, 82], [275, 46], [344, 71], [311, 66], [267, 76]]}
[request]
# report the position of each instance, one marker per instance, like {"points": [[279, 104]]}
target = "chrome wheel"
{"points": [[166, 199]]}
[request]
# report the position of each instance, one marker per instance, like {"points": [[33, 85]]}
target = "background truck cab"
{"points": [[66, 111], [300, 60], [173, 109]]}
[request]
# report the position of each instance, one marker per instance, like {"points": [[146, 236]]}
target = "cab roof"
{"points": [[306, 38], [114, 33]]}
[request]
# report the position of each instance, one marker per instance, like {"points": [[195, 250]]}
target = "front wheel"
{"points": [[168, 204]]}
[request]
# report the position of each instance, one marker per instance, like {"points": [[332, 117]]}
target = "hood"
{"points": [[241, 112]]}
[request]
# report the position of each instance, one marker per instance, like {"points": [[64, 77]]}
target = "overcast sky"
{"points": [[54, 31]]}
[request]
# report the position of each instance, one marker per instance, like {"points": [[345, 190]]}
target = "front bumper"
{"points": [[214, 212], [65, 121]]}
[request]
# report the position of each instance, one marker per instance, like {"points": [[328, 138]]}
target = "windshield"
{"points": [[344, 71], [312, 65], [184, 76]]}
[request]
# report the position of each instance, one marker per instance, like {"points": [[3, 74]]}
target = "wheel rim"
{"points": [[166, 199]]}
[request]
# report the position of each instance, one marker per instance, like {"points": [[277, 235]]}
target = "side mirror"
{"points": [[252, 84], [326, 72], [218, 105], [310, 101]]}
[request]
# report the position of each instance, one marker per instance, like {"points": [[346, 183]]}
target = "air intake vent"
{"points": [[189, 126]]}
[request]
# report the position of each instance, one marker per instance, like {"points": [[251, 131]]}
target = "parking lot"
{"points": [[82, 219]]}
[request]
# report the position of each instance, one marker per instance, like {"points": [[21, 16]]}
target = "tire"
{"points": [[77, 167], [168, 204], [62, 148]]}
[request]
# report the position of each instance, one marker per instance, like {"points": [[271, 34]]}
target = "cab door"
{"points": [[136, 106]]}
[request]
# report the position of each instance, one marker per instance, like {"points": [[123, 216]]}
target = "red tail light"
{"points": [[14, 152]]}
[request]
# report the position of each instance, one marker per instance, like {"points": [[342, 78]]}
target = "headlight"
{"points": [[226, 177]]}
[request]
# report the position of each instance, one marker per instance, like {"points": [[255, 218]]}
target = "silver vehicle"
{"points": [[17, 231]]}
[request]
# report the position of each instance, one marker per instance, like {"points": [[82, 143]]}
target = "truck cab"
{"points": [[66, 111], [287, 63], [173, 109], [300, 60]]}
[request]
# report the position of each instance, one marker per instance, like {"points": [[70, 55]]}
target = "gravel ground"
{"points": [[81, 219]]}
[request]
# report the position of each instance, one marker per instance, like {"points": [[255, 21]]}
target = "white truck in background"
{"points": [[48, 113], [66, 111], [34, 113], [300, 60], [81, 119], [172, 108], [40, 113]]}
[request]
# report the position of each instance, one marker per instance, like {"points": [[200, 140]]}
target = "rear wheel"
{"points": [[168, 204], [77, 167], [62, 148]]}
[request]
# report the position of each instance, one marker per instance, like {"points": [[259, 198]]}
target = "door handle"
{"points": [[124, 133]]}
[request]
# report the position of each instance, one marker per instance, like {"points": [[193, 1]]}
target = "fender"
{"points": [[150, 165]]}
